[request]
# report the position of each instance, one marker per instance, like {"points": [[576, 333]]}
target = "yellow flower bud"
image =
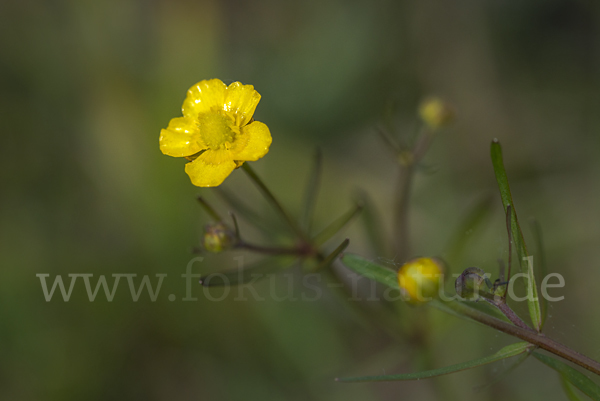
{"points": [[420, 279], [218, 237], [436, 113]]}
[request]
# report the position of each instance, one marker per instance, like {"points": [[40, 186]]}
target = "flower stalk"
{"points": [[275, 203], [408, 161]]}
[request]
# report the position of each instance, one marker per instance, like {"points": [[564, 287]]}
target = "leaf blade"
{"points": [[569, 389], [506, 352], [500, 376], [517, 235], [336, 225], [539, 247], [371, 270], [575, 377], [461, 306]]}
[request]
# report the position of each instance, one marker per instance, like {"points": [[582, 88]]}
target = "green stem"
{"points": [[528, 335], [407, 169], [274, 202], [402, 244]]}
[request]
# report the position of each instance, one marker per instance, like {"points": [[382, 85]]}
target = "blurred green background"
{"points": [[86, 86]]}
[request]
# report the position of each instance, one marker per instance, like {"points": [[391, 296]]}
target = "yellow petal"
{"points": [[217, 156], [181, 138], [204, 96], [259, 139], [241, 101], [208, 175]]}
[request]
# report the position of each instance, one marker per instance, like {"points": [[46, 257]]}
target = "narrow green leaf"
{"points": [[506, 352], [517, 235], [456, 308], [371, 270], [333, 255], [533, 301], [245, 275], [503, 373], [443, 306], [336, 225], [502, 179], [575, 377], [541, 261], [312, 189], [374, 228], [569, 388]]}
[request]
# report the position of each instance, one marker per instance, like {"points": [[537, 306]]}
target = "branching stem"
{"points": [[528, 335], [509, 313]]}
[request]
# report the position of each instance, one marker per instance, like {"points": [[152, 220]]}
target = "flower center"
{"points": [[218, 130]]}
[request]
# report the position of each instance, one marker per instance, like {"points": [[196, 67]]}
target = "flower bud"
{"points": [[419, 279], [218, 237], [436, 113], [473, 283]]}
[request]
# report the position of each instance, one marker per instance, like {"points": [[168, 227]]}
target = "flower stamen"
{"points": [[218, 130]]}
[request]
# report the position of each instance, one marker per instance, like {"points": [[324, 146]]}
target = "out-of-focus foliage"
{"points": [[86, 86]]}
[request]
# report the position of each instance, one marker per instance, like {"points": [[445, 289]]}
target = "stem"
{"points": [[401, 220], [401, 234], [274, 202], [509, 313], [528, 335], [329, 259]]}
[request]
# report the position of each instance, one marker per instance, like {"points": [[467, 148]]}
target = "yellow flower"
{"points": [[419, 279], [216, 133]]}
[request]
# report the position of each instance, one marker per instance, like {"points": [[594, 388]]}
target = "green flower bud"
{"points": [[218, 237], [473, 283]]}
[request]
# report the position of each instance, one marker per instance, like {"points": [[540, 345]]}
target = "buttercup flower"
{"points": [[216, 133], [419, 279]]}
